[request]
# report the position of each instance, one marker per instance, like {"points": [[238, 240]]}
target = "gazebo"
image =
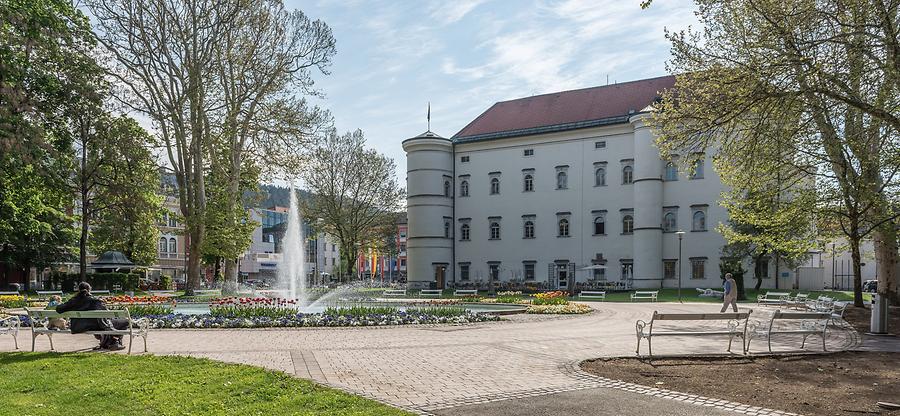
{"points": [[112, 261]]}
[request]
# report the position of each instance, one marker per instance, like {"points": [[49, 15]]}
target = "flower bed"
{"points": [[312, 320], [141, 305], [273, 308], [567, 309], [551, 298]]}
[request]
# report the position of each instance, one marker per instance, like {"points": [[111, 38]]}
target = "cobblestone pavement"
{"points": [[429, 368]]}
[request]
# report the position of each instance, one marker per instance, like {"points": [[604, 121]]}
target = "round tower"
{"points": [[648, 195], [429, 205]]}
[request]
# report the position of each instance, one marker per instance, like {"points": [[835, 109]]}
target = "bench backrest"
{"points": [[651, 293], [466, 292], [800, 315], [700, 316], [825, 299], [49, 292], [395, 292], [588, 292], [777, 294], [107, 314], [9, 293]]}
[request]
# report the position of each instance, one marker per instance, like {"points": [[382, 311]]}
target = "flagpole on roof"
{"points": [[428, 116]]}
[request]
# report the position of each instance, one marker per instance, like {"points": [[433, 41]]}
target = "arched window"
{"points": [[447, 189], [529, 183], [627, 224], [563, 227], [600, 177], [699, 221], [671, 172], [495, 186], [446, 229], [599, 226], [495, 230], [464, 188], [163, 245], [697, 172], [562, 180], [529, 229], [669, 222], [173, 245], [627, 175], [464, 232]]}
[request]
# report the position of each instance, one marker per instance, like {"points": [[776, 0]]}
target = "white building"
{"points": [[539, 189]]}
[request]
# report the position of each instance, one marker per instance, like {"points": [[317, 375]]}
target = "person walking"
{"points": [[730, 294]]}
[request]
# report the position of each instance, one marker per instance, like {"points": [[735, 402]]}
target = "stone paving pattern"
{"points": [[429, 368]]}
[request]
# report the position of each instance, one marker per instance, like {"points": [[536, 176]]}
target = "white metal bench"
{"points": [[820, 304], [394, 292], [48, 293], [10, 293], [811, 323], [99, 292], [774, 298], [465, 292], [588, 294], [651, 295], [710, 293], [10, 326], [736, 327], [41, 317], [435, 293]]}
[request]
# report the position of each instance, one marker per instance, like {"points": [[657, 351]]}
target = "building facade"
{"points": [[559, 190]]}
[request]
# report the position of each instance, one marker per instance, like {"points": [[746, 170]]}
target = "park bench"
{"points": [[799, 301], [810, 323], [837, 314], [47, 293], [465, 292], [651, 295], [394, 292], [10, 326], [100, 292], [162, 293], [736, 327], [435, 293], [774, 298], [9, 293], [820, 304], [40, 319], [587, 294]]}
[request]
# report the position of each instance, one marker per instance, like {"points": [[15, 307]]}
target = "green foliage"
{"points": [[165, 282], [48, 384], [360, 311], [237, 311], [439, 311], [99, 281], [550, 298], [149, 309]]}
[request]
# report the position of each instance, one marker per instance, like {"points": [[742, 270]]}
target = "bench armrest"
{"points": [[12, 321], [142, 324], [639, 328]]}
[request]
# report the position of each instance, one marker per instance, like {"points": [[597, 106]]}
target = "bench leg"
{"points": [[650, 347], [730, 338], [145, 342], [130, 342], [803, 344], [638, 349], [50, 337], [33, 338], [770, 342]]}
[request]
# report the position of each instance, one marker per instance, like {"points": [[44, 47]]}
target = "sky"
{"points": [[394, 57]]}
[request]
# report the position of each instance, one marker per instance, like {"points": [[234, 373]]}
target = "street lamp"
{"points": [[680, 235]]}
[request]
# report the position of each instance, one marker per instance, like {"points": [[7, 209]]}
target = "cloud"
{"points": [[453, 11]]}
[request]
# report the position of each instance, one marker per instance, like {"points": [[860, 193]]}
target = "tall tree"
{"points": [[815, 79], [44, 56], [164, 55], [127, 207], [264, 67], [355, 193]]}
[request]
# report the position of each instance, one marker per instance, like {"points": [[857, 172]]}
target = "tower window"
{"points": [[699, 221], [464, 188], [529, 229], [446, 228], [599, 225], [600, 177], [495, 230], [670, 222], [447, 189], [464, 232], [627, 175], [562, 180], [627, 224], [529, 183], [495, 186], [563, 227], [671, 172]]}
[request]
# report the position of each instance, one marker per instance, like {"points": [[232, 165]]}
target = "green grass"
{"points": [[37, 384]]}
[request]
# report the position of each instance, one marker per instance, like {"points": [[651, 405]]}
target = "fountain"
{"points": [[291, 270]]}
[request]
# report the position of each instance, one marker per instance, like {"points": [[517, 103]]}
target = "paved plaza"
{"points": [[468, 369]]}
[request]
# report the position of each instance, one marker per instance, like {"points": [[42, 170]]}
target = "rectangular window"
{"points": [[528, 152], [669, 269], [463, 271], [600, 145], [464, 159], [529, 271], [332, 261], [762, 268], [402, 262], [698, 268]]}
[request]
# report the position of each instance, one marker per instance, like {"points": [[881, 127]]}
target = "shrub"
{"points": [[551, 298], [470, 298], [165, 282], [128, 281]]}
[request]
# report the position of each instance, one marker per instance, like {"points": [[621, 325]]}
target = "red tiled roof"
{"points": [[567, 107]]}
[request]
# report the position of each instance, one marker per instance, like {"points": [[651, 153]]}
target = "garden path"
{"points": [[436, 368]]}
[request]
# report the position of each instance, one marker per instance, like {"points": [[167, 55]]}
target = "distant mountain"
{"points": [[273, 195]]}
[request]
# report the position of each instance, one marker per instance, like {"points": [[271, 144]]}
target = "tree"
{"points": [[44, 56], [818, 80], [355, 193], [127, 208], [263, 67]]}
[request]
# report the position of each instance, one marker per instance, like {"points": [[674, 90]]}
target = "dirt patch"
{"points": [[860, 318], [847, 383]]}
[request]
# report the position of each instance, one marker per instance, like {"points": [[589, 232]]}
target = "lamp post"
{"points": [[680, 235]]}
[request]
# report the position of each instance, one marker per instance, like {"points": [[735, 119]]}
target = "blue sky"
{"points": [[393, 57]]}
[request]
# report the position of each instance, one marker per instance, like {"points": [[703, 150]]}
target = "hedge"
{"points": [[100, 281]]}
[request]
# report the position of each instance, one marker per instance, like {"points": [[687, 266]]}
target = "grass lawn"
{"points": [[54, 384]]}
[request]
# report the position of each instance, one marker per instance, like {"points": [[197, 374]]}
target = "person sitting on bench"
{"points": [[84, 301]]}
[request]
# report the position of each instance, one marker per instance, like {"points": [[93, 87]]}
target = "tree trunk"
{"points": [[192, 280], [231, 277], [777, 270], [857, 271], [85, 218], [886, 259], [759, 277]]}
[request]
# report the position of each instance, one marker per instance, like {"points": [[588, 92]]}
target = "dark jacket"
{"points": [[85, 302]]}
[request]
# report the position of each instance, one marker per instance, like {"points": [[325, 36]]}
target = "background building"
{"points": [[561, 188]]}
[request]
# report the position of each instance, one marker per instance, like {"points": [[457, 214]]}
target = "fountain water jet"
{"points": [[291, 269]]}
